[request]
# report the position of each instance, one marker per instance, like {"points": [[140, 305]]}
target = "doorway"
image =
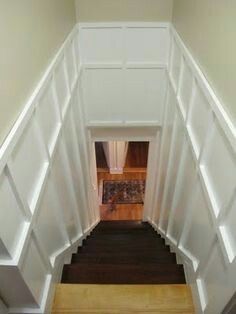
{"points": [[121, 194]]}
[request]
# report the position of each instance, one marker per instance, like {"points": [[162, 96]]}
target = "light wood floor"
{"points": [[123, 211], [122, 299]]}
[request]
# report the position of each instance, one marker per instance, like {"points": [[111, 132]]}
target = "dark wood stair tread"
{"points": [[123, 274], [123, 259], [123, 252]]}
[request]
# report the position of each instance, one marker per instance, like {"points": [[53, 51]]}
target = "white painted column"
{"points": [[116, 153]]}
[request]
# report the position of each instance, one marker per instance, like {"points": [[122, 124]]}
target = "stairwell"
{"points": [[123, 267]]}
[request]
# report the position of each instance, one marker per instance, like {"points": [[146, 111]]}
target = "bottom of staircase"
{"points": [[122, 299]]}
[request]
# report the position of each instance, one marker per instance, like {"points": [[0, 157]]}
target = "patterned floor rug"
{"points": [[123, 192]]}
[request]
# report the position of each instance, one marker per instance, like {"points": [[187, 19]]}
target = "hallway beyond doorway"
{"points": [[122, 211], [135, 168]]}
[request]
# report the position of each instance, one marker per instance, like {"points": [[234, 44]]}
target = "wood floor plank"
{"points": [[113, 299]]}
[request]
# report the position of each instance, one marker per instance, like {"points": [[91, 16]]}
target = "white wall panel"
{"points": [[34, 270], [64, 193], [183, 191], [124, 77], [146, 44], [219, 166], [218, 282], [76, 167], [168, 125], [173, 166], [103, 95], [28, 162], [199, 227], [145, 91], [49, 226], [228, 230], [101, 44], [12, 219]]}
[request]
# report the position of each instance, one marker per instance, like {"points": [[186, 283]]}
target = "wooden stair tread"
{"points": [[122, 299], [123, 252], [123, 273], [124, 258]]}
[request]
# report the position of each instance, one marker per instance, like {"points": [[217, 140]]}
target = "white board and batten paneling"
{"points": [[124, 72], [122, 77], [44, 212], [196, 191]]}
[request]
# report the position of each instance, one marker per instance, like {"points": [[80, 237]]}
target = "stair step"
{"points": [[111, 249], [137, 235], [124, 231], [123, 299], [138, 224], [123, 274], [127, 242], [123, 252], [124, 259], [123, 237]]}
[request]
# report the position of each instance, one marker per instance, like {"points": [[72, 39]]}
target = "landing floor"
{"points": [[123, 211]]}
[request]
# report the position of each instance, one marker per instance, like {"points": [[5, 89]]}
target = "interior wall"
{"points": [[31, 32], [208, 30], [123, 10]]}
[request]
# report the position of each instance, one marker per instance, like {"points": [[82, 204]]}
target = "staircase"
{"points": [[123, 267], [123, 252]]}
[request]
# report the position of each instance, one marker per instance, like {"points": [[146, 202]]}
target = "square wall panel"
{"points": [[175, 62], [103, 94], [101, 45], [149, 45], [200, 235], [49, 224], [183, 193], [199, 119], [61, 178], [28, 162], [173, 167], [166, 145], [48, 116], [218, 281], [228, 231], [186, 88], [34, 270], [219, 166], [62, 87], [145, 91], [12, 220]]}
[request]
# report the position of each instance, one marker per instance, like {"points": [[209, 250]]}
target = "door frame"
{"points": [[146, 134]]}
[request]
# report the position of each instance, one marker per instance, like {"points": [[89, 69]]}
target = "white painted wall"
{"points": [[31, 34], [124, 10]]}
